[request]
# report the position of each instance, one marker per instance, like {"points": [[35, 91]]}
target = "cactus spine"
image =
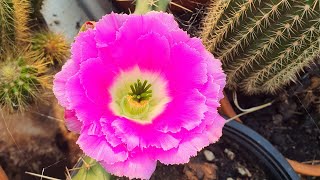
{"points": [[263, 45], [22, 78], [22, 71], [50, 46], [6, 24]]}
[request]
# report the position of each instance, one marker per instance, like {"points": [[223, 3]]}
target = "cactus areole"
{"points": [[263, 44]]}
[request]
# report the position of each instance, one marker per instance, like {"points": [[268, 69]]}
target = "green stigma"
{"points": [[141, 91]]}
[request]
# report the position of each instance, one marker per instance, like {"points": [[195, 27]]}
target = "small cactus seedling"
{"points": [[263, 44], [21, 81], [50, 46]]}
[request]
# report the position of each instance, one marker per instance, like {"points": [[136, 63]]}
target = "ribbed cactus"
{"points": [[52, 47], [22, 11], [22, 79], [6, 24], [13, 23], [91, 169], [263, 44]]}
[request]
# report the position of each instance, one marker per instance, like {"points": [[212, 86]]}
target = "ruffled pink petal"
{"points": [[84, 46], [96, 78], [187, 148], [150, 52], [184, 111], [107, 28], [134, 135], [213, 92], [216, 72], [110, 133], [214, 131], [139, 25], [186, 70], [85, 109], [98, 148], [166, 19], [138, 165], [72, 122], [155, 54], [60, 80]]}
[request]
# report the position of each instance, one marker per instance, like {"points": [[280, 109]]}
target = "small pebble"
{"points": [[209, 155], [244, 171], [277, 118], [230, 154]]}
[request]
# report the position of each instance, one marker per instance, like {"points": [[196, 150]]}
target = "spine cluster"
{"points": [[263, 44], [25, 55]]}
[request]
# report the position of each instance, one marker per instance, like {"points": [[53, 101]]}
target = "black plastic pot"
{"points": [[275, 164]]}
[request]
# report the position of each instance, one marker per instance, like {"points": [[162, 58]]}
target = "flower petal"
{"points": [[84, 46], [187, 148], [85, 109], [72, 122], [60, 81], [186, 70], [98, 148], [184, 111], [146, 136], [96, 78], [107, 28], [139, 165]]}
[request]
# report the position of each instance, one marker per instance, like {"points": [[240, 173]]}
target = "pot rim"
{"points": [[261, 148]]}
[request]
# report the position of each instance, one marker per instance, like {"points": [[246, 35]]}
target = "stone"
{"points": [[209, 155]]}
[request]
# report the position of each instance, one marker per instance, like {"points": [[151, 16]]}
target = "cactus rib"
{"points": [[272, 35]]}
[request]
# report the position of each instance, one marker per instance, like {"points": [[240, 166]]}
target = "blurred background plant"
{"points": [[263, 45], [28, 51]]}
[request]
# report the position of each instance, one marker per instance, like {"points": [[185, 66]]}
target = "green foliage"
{"points": [[263, 44], [90, 169]]}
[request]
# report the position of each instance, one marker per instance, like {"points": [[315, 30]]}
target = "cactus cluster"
{"points": [[6, 24], [263, 44], [24, 70], [22, 78], [51, 46]]}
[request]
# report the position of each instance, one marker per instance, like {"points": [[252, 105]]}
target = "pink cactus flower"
{"points": [[139, 90]]}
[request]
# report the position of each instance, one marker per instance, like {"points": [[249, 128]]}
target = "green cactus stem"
{"points": [[144, 6], [52, 47], [6, 24], [14, 18], [263, 45], [91, 169], [22, 80]]}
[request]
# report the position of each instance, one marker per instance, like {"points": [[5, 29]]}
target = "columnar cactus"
{"points": [[263, 44], [6, 24], [22, 11], [22, 79], [13, 23]]}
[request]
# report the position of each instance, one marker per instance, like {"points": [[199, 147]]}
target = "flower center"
{"points": [[136, 103], [141, 92]]}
